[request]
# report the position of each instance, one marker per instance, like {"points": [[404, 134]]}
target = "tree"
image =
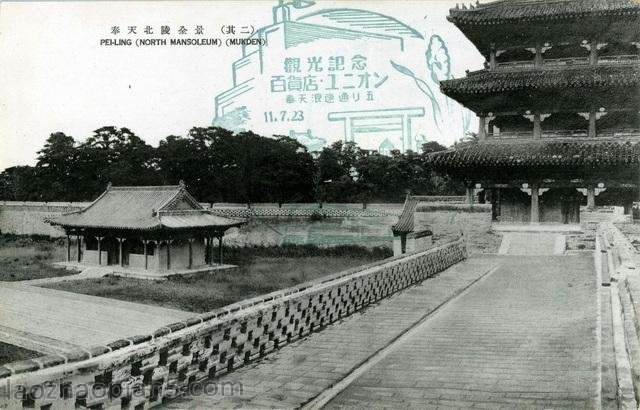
{"points": [[288, 169], [115, 155], [16, 184], [337, 164], [56, 168], [432, 146]]}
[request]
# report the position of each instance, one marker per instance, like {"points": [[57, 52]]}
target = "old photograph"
{"points": [[319, 204]]}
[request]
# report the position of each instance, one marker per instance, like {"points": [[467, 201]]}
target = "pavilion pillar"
{"points": [[99, 239], [169, 255], [535, 205], [538, 57], [495, 204], [68, 248], [146, 256], [492, 58], [207, 256], [79, 248], [482, 128], [591, 197], [220, 249], [190, 240], [592, 124], [120, 259], [211, 251], [593, 52], [537, 126], [470, 195]]}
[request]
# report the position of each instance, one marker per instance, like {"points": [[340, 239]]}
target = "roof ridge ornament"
{"points": [[181, 184], [109, 185]]}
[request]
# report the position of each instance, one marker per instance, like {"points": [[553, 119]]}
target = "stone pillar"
{"points": [[492, 58], [592, 124], [538, 57], [537, 126], [593, 53], [591, 197], [99, 239], [482, 129], [470, 195], [535, 206], [220, 249], [68, 248], [190, 253], [210, 249], [168, 255], [495, 204], [206, 251], [146, 257], [79, 248], [120, 240]]}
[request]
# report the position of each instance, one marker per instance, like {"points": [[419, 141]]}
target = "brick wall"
{"points": [[337, 224], [27, 218], [137, 371], [474, 222]]}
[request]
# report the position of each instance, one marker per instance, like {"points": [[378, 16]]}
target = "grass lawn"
{"points": [[10, 353], [24, 257], [261, 270]]}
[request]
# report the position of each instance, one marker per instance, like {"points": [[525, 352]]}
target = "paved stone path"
{"points": [[522, 334], [526, 336], [52, 321], [300, 371]]}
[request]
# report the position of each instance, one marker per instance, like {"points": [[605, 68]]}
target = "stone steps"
{"points": [[530, 243]]}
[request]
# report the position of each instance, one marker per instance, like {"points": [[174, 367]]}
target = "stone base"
{"points": [[536, 227], [99, 271]]}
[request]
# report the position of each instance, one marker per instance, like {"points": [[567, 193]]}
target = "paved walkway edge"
{"points": [[626, 394], [326, 396]]}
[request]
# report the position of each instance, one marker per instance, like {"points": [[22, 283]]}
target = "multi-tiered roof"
{"points": [[564, 59]]}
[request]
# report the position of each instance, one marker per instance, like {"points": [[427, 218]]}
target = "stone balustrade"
{"points": [[140, 371]]}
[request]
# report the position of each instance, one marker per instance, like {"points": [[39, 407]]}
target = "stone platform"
{"points": [[98, 271]]}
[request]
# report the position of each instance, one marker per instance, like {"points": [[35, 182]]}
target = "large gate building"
{"points": [[558, 103]]}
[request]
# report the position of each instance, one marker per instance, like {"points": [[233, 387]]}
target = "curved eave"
{"points": [[539, 154], [154, 228], [512, 13], [486, 81]]}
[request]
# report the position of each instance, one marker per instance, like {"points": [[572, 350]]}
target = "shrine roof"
{"points": [[538, 153], [405, 222], [486, 81], [506, 11], [144, 208]]}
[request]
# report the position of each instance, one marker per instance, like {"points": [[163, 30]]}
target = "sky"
{"points": [[56, 76]]}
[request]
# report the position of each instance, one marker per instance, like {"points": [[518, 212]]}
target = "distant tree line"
{"points": [[221, 166]]}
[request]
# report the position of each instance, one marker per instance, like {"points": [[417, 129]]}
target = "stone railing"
{"points": [[565, 61], [563, 134], [619, 59], [614, 252], [138, 372]]}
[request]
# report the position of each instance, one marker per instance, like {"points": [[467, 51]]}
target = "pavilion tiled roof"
{"points": [[485, 81], [505, 11], [539, 153], [144, 208], [405, 223]]}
